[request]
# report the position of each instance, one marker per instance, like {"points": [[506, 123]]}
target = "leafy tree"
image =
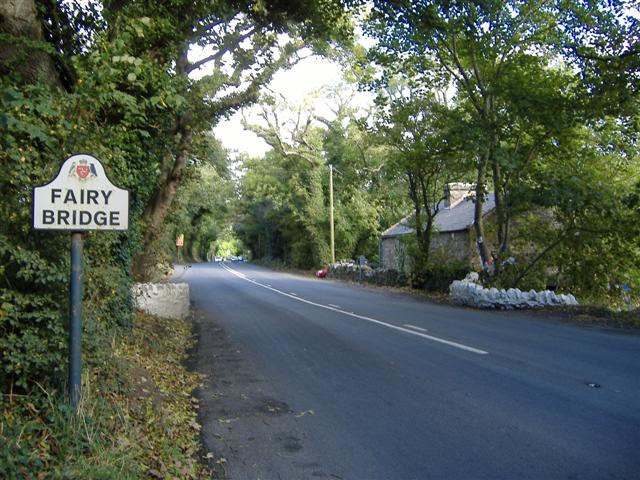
{"points": [[602, 42], [592, 195], [295, 184], [417, 125], [286, 194], [242, 52], [475, 44], [503, 61], [203, 205]]}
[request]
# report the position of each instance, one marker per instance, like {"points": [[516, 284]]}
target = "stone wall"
{"points": [[469, 292], [394, 255], [445, 247], [450, 246], [378, 276], [166, 300]]}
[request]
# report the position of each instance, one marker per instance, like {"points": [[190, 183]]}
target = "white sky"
{"points": [[296, 85]]}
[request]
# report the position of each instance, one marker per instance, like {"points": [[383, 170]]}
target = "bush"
{"points": [[37, 132], [437, 278]]}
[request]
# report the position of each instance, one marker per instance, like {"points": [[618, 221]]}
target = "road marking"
{"points": [[420, 329], [361, 317], [294, 294], [334, 306]]}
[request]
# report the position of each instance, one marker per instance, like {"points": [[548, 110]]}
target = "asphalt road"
{"points": [[322, 380]]}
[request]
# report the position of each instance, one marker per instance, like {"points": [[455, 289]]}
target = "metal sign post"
{"points": [[362, 260], [79, 199], [75, 320]]}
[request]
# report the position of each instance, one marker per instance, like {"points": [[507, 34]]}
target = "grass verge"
{"points": [[136, 418]]}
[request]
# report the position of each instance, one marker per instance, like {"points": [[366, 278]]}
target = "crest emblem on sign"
{"points": [[83, 170]]}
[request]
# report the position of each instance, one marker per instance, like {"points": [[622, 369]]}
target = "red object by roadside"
{"points": [[321, 273]]}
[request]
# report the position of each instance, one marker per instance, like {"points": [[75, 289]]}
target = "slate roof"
{"points": [[454, 219]]}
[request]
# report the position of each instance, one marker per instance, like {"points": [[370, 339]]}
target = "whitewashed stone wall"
{"points": [[166, 300], [469, 292]]}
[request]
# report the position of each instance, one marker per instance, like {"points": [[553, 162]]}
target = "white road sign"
{"points": [[80, 198]]}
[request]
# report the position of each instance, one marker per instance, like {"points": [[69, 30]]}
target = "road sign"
{"points": [[80, 198], [180, 240]]}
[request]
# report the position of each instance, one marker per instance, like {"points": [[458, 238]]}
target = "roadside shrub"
{"points": [[39, 128], [437, 278]]}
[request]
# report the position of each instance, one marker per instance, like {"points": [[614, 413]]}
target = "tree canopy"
{"points": [[535, 101]]}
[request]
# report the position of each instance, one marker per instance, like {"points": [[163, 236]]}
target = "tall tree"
{"points": [[297, 150], [485, 48], [242, 52], [417, 125], [475, 44]]}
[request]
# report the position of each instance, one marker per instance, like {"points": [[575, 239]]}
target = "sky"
{"points": [[295, 85]]}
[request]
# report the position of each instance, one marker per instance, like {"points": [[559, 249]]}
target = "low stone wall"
{"points": [[469, 292], [378, 276], [166, 300]]}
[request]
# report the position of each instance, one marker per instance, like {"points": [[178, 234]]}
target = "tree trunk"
{"points": [[414, 195], [477, 213], [19, 54], [158, 206], [429, 211], [501, 213]]}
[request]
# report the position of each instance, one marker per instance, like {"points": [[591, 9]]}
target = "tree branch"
{"points": [[229, 44]]}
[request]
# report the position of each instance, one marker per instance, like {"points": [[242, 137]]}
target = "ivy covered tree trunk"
{"points": [[23, 49], [157, 208]]}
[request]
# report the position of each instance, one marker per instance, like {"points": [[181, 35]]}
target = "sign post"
{"points": [[75, 319], [362, 261], [79, 199], [179, 245]]}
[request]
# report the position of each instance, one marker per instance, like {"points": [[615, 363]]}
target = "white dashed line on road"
{"points": [[413, 327]]}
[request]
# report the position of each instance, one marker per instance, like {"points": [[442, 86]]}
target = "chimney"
{"points": [[454, 193]]}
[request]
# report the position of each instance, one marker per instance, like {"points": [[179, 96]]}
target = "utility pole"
{"points": [[333, 247]]}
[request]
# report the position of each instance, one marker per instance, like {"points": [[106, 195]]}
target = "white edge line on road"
{"points": [[413, 327], [361, 317], [334, 306]]}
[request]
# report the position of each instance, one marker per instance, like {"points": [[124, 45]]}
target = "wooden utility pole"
{"points": [[333, 247]]}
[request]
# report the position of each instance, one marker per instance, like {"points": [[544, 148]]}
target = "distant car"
{"points": [[321, 273], [218, 258]]}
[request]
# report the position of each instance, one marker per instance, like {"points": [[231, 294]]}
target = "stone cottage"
{"points": [[453, 237]]}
